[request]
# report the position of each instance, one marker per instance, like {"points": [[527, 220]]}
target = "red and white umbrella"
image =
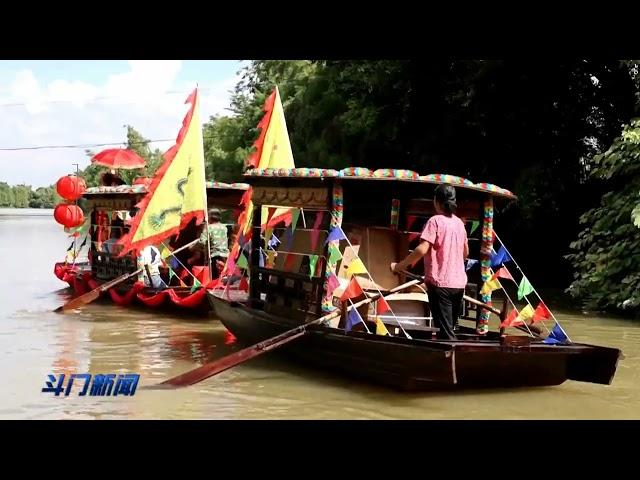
{"points": [[119, 158]]}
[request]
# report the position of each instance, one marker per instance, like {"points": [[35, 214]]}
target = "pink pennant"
{"points": [[332, 283], [315, 233]]}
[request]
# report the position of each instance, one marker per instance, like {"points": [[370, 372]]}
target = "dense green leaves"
{"points": [[607, 253]]}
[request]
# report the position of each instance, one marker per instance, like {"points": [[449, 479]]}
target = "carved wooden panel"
{"points": [[292, 197]]}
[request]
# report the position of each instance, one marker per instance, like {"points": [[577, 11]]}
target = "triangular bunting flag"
{"points": [[271, 258], [474, 226], [313, 260], [172, 273], [557, 335], [490, 286], [196, 285], [295, 214], [242, 262], [526, 313], [332, 283], [470, 264], [289, 262], [509, 321], [244, 285], [353, 318], [335, 234], [541, 313], [270, 212], [353, 290], [334, 254], [274, 242], [503, 273], [500, 257], [411, 219], [315, 233], [382, 306], [524, 288], [288, 238], [356, 266], [381, 329]]}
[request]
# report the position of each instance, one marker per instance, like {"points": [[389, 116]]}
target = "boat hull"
{"points": [[424, 364]]}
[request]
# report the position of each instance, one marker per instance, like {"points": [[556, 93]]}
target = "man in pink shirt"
{"points": [[445, 248]]}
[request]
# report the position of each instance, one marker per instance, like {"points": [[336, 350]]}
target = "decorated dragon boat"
{"points": [[319, 274], [148, 243], [88, 265]]}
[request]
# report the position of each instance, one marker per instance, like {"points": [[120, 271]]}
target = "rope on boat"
{"points": [[534, 290]]}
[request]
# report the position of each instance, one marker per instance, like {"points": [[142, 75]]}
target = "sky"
{"points": [[48, 102]]}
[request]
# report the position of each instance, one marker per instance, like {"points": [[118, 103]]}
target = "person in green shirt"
{"points": [[218, 240]]}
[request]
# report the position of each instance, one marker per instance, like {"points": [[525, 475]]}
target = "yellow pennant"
{"points": [[526, 313], [490, 285], [381, 329], [271, 258], [356, 267]]}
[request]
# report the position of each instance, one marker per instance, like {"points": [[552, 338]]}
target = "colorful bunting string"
{"points": [[503, 273], [334, 254], [490, 285]]}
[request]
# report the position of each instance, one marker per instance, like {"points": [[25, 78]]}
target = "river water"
{"points": [[102, 338]]}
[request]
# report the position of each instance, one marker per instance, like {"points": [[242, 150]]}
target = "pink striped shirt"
{"points": [[444, 262]]}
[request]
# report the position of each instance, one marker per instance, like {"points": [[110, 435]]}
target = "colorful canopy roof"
{"points": [[384, 173], [135, 189]]}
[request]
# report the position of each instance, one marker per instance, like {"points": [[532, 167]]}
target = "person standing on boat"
{"points": [[444, 248], [218, 241]]}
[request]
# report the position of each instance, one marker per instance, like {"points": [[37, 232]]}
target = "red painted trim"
{"points": [[254, 158]]}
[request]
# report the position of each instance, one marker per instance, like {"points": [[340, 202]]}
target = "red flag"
{"points": [[244, 285], [382, 306], [541, 313], [246, 196], [510, 320], [352, 290], [503, 273], [288, 262], [410, 221], [270, 212]]}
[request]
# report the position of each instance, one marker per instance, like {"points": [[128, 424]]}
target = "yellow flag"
{"points": [[164, 251], [271, 258], [526, 313], [177, 193], [273, 150], [381, 329], [490, 285], [356, 266]]}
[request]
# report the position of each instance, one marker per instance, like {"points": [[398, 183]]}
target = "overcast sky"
{"points": [[63, 103]]}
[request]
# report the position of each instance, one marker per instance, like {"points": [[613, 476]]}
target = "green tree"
{"points": [[22, 195], [7, 198], [607, 251]]}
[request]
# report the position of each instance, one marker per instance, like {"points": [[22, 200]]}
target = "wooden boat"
{"points": [[383, 212], [105, 203]]}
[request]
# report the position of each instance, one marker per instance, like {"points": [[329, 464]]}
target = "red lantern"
{"points": [[71, 187], [68, 215]]}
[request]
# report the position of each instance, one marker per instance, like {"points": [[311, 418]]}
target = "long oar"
{"points": [[213, 368], [95, 293], [501, 314]]}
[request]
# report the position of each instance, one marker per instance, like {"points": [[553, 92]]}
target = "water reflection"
{"points": [[102, 338]]}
